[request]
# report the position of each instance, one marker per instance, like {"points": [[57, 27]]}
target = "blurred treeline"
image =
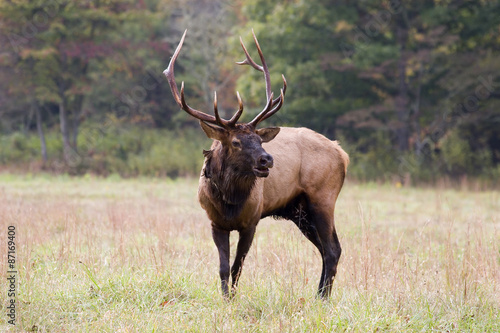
{"points": [[410, 88]]}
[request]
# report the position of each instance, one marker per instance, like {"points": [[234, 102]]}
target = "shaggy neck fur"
{"points": [[229, 187]]}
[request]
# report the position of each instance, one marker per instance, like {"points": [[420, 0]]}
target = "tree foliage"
{"points": [[411, 87]]}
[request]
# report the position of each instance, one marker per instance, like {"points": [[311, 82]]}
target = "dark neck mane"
{"points": [[229, 188]]}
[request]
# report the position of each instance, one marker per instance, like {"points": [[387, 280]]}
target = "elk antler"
{"points": [[272, 106], [217, 120]]}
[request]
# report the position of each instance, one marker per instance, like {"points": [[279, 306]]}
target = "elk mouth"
{"points": [[261, 171]]}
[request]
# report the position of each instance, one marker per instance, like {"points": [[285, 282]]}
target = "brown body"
{"points": [[305, 162], [237, 187]]}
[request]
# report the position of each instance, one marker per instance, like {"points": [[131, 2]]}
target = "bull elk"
{"points": [[237, 188]]}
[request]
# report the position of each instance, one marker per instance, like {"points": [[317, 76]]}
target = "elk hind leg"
{"points": [[330, 249], [308, 220], [316, 223]]}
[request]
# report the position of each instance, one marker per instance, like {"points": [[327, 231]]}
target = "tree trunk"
{"points": [[39, 127], [402, 107], [63, 120], [26, 125], [76, 121], [416, 114]]}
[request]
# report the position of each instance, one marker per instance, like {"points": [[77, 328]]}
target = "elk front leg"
{"points": [[244, 243], [221, 239]]}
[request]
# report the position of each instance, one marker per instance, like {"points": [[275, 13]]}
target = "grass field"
{"points": [[112, 255]]}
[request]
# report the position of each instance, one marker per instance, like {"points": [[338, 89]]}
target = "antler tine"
{"points": [[238, 113], [261, 115], [272, 107], [179, 99], [284, 92], [248, 60], [251, 62], [267, 76], [218, 120], [280, 101]]}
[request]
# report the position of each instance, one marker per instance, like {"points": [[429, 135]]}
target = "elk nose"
{"points": [[265, 160]]}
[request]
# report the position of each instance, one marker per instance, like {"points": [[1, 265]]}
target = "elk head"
{"points": [[241, 143]]}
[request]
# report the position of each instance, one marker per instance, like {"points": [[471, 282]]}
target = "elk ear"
{"points": [[213, 132], [267, 134]]}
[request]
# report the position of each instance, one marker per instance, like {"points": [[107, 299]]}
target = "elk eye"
{"points": [[236, 144]]}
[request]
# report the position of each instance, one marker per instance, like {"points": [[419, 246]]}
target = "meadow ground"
{"points": [[112, 255]]}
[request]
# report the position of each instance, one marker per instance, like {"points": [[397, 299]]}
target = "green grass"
{"points": [[113, 255]]}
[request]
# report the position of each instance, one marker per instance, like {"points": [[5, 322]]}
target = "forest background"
{"points": [[411, 89]]}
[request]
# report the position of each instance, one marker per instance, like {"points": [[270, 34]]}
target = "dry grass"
{"points": [[100, 255]]}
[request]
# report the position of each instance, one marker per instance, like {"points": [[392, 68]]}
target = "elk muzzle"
{"points": [[264, 163]]}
